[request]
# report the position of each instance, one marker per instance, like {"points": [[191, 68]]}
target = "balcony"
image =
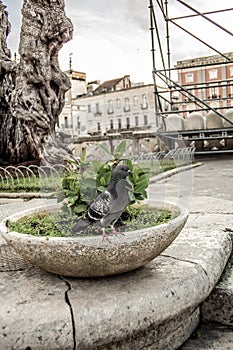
{"points": [[126, 109], [214, 96], [97, 113], [144, 105]]}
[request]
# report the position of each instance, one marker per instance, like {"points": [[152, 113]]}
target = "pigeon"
{"points": [[108, 206]]}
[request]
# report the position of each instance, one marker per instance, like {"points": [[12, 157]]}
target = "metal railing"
{"points": [[179, 156], [32, 178], [35, 178]]}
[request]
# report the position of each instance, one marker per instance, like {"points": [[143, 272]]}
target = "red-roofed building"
{"points": [[114, 85]]}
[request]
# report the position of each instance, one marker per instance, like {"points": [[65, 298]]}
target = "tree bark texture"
{"points": [[38, 86], [7, 79]]}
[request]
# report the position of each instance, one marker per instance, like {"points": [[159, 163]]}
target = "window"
{"points": [[213, 74], [119, 124], [135, 101], [231, 90], [126, 85], [144, 101], [231, 71], [118, 103], [189, 94], [214, 92], [98, 126], [89, 108], [111, 124], [110, 106], [145, 120], [189, 77], [66, 122], [127, 123], [127, 107], [136, 121], [78, 124], [97, 108]]}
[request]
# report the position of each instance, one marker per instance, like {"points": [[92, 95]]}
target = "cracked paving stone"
{"points": [[35, 315]]}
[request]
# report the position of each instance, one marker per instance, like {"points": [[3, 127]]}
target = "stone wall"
{"points": [[135, 146]]}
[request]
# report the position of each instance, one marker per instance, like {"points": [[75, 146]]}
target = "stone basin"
{"points": [[90, 256]]}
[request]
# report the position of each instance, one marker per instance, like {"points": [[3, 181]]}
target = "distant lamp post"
{"points": [[70, 62], [71, 118], [71, 100]]}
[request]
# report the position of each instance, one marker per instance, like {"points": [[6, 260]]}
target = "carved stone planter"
{"points": [[90, 256]]}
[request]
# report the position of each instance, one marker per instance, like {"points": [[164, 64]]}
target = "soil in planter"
{"points": [[61, 224]]}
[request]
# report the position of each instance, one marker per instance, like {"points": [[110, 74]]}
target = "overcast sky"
{"points": [[112, 38]]}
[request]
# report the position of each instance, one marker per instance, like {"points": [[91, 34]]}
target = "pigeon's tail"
{"points": [[81, 225]]}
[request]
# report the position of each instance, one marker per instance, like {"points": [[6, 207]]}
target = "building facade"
{"points": [[207, 79], [78, 85], [114, 106]]}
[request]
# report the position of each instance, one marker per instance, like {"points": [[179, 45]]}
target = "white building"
{"points": [[78, 84], [114, 106]]}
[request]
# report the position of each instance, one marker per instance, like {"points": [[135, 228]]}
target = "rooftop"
{"points": [[205, 59]]}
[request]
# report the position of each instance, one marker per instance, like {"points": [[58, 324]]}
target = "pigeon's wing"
{"points": [[119, 203], [99, 207]]}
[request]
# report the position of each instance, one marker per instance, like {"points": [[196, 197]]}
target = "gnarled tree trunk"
{"points": [[7, 79], [38, 88]]}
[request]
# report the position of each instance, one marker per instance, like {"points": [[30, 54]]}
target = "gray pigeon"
{"points": [[108, 206]]}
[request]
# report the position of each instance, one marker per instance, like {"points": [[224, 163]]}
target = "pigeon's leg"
{"points": [[115, 232], [105, 235]]}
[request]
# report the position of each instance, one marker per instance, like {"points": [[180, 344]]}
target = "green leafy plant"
{"points": [[60, 224], [81, 183], [78, 189], [85, 181], [142, 217], [43, 225]]}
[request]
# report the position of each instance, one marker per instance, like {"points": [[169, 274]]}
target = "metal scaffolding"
{"points": [[161, 41]]}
